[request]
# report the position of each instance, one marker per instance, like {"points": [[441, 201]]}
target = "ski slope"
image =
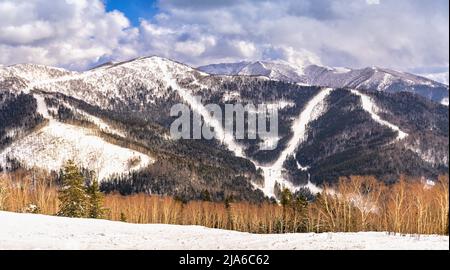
{"points": [[370, 107], [273, 173], [30, 231], [226, 138]]}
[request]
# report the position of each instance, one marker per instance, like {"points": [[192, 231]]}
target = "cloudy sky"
{"points": [[409, 35]]}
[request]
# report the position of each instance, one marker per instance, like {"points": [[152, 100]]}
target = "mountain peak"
{"points": [[276, 70]]}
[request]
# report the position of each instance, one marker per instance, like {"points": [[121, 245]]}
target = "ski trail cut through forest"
{"points": [[369, 106], [198, 107], [274, 173]]}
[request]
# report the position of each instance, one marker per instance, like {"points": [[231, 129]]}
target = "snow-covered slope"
{"points": [[104, 86], [52, 145], [57, 142], [372, 78], [30, 73], [276, 70], [98, 86], [225, 69], [30, 231]]}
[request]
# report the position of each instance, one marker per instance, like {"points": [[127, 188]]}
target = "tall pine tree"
{"points": [[72, 196], [299, 207], [96, 209], [286, 199]]}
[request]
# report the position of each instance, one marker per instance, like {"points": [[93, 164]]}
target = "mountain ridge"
{"points": [[370, 78], [127, 104]]}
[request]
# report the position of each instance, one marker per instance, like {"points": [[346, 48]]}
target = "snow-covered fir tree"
{"points": [[96, 209], [72, 196]]}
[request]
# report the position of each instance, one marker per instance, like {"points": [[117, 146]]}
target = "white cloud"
{"points": [[300, 57], [245, 48], [355, 33], [26, 33], [73, 34], [442, 77], [373, 2]]}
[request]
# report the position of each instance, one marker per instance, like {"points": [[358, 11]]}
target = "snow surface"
{"points": [[31, 231], [32, 72], [42, 108], [280, 105], [341, 70]]}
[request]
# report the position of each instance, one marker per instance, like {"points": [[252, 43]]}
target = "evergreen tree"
{"points": [[299, 207], [205, 195], [96, 209], [286, 199], [72, 196], [123, 218], [228, 201]]}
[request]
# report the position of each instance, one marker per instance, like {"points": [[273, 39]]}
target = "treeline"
{"points": [[356, 203]]}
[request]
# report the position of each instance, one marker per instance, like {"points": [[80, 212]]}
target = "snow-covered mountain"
{"points": [[279, 70], [115, 119], [97, 86], [371, 78]]}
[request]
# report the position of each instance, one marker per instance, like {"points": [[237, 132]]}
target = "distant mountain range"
{"points": [[371, 78], [114, 120]]}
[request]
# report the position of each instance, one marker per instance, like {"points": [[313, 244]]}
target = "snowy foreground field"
{"points": [[29, 231]]}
